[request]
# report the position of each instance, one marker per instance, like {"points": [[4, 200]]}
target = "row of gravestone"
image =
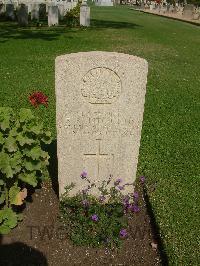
{"points": [[187, 11], [37, 11]]}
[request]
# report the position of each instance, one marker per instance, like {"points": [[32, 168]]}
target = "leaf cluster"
{"points": [[73, 16], [23, 161]]}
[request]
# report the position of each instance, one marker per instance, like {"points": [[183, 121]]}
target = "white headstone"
{"points": [[104, 3], [16, 4], [67, 7], [29, 7], [35, 11], [99, 105], [196, 16], [52, 16], [188, 11], [85, 15], [2, 9], [61, 11], [151, 7]]}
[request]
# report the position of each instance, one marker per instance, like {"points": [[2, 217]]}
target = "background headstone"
{"points": [[188, 11], [35, 12], [22, 15], [52, 16], [104, 3], [2, 9], [196, 16], [10, 11], [151, 7], [42, 11], [29, 7], [171, 9], [67, 7], [16, 4], [100, 101], [84, 15], [61, 11], [180, 11]]}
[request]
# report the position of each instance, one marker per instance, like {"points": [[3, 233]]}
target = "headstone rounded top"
{"points": [[101, 54]]}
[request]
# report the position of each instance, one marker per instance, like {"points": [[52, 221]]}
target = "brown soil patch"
{"points": [[40, 240]]}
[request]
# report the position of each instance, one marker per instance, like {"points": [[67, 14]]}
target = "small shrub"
{"points": [[22, 161], [98, 221], [73, 16]]}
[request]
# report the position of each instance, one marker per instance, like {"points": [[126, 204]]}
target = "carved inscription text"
{"points": [[99, 123]]}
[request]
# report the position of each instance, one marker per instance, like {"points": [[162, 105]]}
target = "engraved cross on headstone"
{"points": [[99, 155]]}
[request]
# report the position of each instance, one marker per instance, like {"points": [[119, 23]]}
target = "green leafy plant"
{"points": [[73, 16], [98, 221], [23, 161]]}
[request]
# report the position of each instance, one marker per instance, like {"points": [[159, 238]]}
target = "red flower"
{"points": [[38, 98]]}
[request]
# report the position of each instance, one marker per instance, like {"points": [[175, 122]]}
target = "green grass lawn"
{"points": [[170, 152]]}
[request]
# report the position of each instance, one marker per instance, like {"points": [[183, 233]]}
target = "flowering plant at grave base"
{"points": [[23, 162], [98, 220], [38, 98]]}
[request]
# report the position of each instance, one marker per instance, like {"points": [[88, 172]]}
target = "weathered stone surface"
{"points": [[85, 15], [52, 16], [35, 11], [10, 11], [104, 3], [2, 9], [22, 15], [100, 101], [188, 11], [42, 11], [61, 11], [196, 16]]}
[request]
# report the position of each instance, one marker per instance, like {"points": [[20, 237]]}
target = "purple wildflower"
{"points": [[85, 203], [142, 179], [102, 198], [135, 208], [118, 181], [83, 174], [129, 206], [120, 187], [126, 199], [135, 197], [85, 191], [123, 233], [95, 217]]}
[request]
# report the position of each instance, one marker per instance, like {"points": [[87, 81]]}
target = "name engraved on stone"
{"points": [[99, 123], [101, 86]]}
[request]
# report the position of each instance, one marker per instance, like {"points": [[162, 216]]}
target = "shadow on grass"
{"points": [[155, 229], [10, 30], [112, 24], [21, 254]]}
